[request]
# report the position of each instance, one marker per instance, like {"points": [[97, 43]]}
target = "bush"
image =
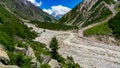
{"points": [[1, 21], [71, 63], [20, 60], [7, 41], [114, 24], [45, 66]]}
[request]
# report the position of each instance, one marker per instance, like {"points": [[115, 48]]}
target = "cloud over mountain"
{"points": [[57, 10]]}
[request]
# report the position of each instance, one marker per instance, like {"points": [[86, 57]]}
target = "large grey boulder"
{"points": [[54, 64], [4, 58], [30, 53]]}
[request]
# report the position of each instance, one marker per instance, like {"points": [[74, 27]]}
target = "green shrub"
{"points": [[114, 24], [71, 64], [7, 41], [39, 48], [1, 21], [20, 60], [45, 66]]}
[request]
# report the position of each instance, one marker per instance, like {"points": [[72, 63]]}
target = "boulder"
{"points": [[7, 66], [54, 64], [30, 53], [45, 58], [4, 58], [19, 49]]}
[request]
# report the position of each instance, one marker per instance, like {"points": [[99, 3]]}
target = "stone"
{"points": [[54, 64], [4, 58], [8, 66], [45, 58], [19, 49], [30, 53]]}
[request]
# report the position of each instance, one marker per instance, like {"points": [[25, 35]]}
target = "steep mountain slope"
{"points": [[18, 47], [27, 10], [89, 12]]}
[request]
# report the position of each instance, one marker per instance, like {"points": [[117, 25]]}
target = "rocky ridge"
{"points": [[89, 12]]}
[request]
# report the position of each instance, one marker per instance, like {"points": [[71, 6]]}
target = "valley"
{"points": [[86, 37], [87, 52]]}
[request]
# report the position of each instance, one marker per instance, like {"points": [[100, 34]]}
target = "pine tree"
{"points": [[54, 47]]}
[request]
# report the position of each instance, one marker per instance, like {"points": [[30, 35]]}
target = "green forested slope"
{"points": [[10, 27], [114, 24], [88, 12], [13, 33]]}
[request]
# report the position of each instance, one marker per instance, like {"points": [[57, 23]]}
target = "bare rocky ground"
{"points": [[87, 52]]}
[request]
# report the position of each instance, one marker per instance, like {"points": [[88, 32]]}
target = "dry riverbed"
{"points": [[88, 53]]}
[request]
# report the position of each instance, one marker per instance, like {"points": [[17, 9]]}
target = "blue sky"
{"points": [[46, 4], [56, 7]]}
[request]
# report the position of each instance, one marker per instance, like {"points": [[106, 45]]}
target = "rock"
{"points": [[19, 49], [30, 53], [35, 65], [8, 66], [54, 64], [45, 58], [4, 58]]}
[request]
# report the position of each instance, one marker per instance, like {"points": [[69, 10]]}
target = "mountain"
{"points": [[17, 48], [89, 12], [26, 10]]}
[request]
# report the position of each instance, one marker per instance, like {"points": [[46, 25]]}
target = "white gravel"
{"points": [[88, 53]]}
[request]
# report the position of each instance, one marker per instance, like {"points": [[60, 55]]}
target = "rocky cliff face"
{"points": [[89, 12], [27, 10]]}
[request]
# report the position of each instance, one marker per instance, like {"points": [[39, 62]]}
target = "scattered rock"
{"points": [[45, 58], [54, 64]]}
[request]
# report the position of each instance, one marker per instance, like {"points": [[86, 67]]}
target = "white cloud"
{"points": [[36, 3], [57, 10]]}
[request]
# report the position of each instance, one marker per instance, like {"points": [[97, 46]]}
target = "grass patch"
{"points": [[101, 29]]}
